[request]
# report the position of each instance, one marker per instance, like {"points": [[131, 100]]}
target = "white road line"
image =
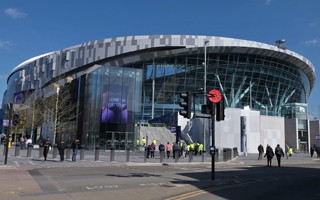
{"points": [[31, 162]]}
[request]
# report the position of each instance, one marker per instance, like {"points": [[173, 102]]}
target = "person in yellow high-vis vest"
{"points": [[143, 141], [9, 145]]}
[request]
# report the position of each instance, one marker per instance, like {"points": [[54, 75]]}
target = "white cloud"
{"points": [[314, 42], [268, 2], [15, 13], [5, 44], [313, 24], [3, 77]]}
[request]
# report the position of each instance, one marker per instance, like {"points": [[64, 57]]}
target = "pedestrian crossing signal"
{"points": [[15, 120]]}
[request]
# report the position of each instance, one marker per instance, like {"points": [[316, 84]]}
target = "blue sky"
{"points": [[30, 28]]}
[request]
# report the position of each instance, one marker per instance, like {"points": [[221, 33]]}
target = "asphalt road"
{"points": [[242, 178]]}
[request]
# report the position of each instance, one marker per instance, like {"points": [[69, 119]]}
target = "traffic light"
{"points": [[186, 105], [220, 110], [208, 108], [15, 119]]}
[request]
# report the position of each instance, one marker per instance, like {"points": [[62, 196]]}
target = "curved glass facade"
{"points": [[263, 83], [112, 99]]}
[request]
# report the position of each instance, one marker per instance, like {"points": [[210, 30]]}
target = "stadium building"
{"points": [[114, 84]]}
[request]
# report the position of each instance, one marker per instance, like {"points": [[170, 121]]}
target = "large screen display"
{"points": [[114, 105]]}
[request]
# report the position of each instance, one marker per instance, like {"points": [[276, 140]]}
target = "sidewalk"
{"points": [[103, 159], [17, 176]]}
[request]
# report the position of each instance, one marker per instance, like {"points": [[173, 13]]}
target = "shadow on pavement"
{"points": [[142, 175], [258, 182]]}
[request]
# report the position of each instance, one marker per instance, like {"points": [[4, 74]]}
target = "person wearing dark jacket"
{"points": [[161, 150], [279, 153], [61, 148], [311, 151], [75, 146], [269, 154], [152, 150], [46, 147]]}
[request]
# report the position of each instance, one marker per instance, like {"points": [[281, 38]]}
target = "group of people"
{"points": [[61, 148], [169, 150], [278, 152], [24, 142]]}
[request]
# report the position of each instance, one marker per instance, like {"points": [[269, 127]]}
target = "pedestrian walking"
{"points": [[22, 143], [187, 150], [61, 148], [168, 150], [261, 151], [161, 150], [175, 150], [138, 144], [311, 151], [46, 147], [152, 150], [279, 153], [182, 149], [143, 141], [147, 149], [290, 151], [269, 154], [75, 147], [200, 149], [286, 149]]}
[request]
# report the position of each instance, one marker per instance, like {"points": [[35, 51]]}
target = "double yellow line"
{"points": [[198, 192]]}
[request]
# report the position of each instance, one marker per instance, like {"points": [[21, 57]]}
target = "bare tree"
{"points": [[59, 112]]}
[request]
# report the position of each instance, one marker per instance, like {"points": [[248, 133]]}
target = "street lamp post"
{"points": [[205, 91], [56, 115]]}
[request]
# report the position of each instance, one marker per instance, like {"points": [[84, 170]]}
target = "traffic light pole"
{"points": [[7, 134], [213, 145]]}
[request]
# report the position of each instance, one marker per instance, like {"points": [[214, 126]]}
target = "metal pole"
{"points": [[8, 133], [205, 91], [213, 145], [56, 117]]}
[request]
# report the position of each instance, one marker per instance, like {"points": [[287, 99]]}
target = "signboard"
{"points": [[173, 129], [5, 123], [317, 137], [214, 96]]}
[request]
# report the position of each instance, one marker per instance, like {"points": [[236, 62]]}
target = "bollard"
{"points": [[41, 150], [128, 153], [96, 153], [226, 154], [145, 155], [216, 154], [68, 147], [112, 148], [161, 156], [17, 149], [235, 152], [82, 152], [4, 149], [55, 151], [29, 150], [190, 156], [176, 156], [203, 156]]}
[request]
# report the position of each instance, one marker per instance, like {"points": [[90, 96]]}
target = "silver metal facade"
{"points": [[156, 50]]}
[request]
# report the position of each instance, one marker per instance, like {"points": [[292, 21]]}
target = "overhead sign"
{"points": [[214, 96]]}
